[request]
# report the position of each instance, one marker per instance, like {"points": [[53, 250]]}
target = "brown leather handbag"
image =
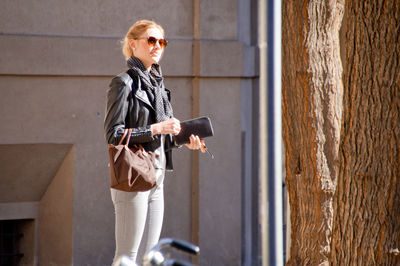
{"points": [[132, 169]]}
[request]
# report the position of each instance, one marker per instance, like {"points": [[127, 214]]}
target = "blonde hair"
{"points": [[134, 32]]}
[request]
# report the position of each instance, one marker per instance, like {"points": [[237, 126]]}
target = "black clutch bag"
{"points": [[201, 127]]}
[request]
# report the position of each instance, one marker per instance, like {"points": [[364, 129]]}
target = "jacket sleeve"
{"points": [[116, 110]]}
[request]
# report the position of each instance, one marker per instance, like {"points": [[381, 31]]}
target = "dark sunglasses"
{"points": [[153, 40]]}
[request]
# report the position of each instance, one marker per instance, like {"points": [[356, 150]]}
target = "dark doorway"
{"points": [[10, 239]]}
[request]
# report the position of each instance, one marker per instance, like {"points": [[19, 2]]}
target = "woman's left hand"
{"points": [[196, 143]]}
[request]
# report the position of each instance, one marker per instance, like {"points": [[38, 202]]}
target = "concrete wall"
{"points": [[55, 217], [57, 60]]}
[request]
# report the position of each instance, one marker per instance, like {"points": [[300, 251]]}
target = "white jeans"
{"points": [[131, 211]]}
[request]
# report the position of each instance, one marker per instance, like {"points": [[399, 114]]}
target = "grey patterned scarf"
{"points": [[153, 82]]}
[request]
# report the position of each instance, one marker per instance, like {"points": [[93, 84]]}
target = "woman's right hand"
{"points": [[170, 126]]}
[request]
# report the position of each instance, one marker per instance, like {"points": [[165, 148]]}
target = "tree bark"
{"points": [[312, 112], [342, 132], [367, 202]]}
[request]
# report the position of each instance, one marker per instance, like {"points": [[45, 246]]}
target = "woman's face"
{"points": [[148, 53]]}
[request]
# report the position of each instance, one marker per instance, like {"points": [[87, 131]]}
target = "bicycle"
{"points": [[154, 257]]}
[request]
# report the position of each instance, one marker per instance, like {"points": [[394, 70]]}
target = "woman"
{"points": [[137, 99]]}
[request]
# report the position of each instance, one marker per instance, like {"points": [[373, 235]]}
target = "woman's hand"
{"points": [[196, 143], [170, 126]]}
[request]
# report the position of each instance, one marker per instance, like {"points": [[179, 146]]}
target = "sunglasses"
{"points": [[151, 41]]}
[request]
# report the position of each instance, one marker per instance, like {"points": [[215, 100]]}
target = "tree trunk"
{"points": [[367, 202], [342, 130]]}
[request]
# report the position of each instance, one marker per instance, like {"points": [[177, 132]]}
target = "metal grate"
{"points": [[10, 237]]}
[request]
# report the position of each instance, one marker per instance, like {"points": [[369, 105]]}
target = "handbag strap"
{"points": [[129, 136], [126, 132]]}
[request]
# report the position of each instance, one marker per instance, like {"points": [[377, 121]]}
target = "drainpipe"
{"points": [[270, 132]]}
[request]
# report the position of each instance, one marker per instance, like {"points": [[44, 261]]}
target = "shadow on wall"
{"points": [[36, 196]]}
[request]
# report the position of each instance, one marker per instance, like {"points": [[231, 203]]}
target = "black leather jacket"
{"points": [[128, 106]]}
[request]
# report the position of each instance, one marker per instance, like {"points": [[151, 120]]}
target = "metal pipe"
{"points": [[270, 159], [274, 27]]}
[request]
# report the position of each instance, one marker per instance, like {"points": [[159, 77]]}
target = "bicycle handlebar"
{"points": [[177, 263], [178, 244]]}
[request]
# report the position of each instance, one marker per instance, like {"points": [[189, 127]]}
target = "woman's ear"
{"points": [[132, 44]]}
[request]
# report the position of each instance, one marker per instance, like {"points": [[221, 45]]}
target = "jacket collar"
{"points": [[141, 94], [137, 89]]}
